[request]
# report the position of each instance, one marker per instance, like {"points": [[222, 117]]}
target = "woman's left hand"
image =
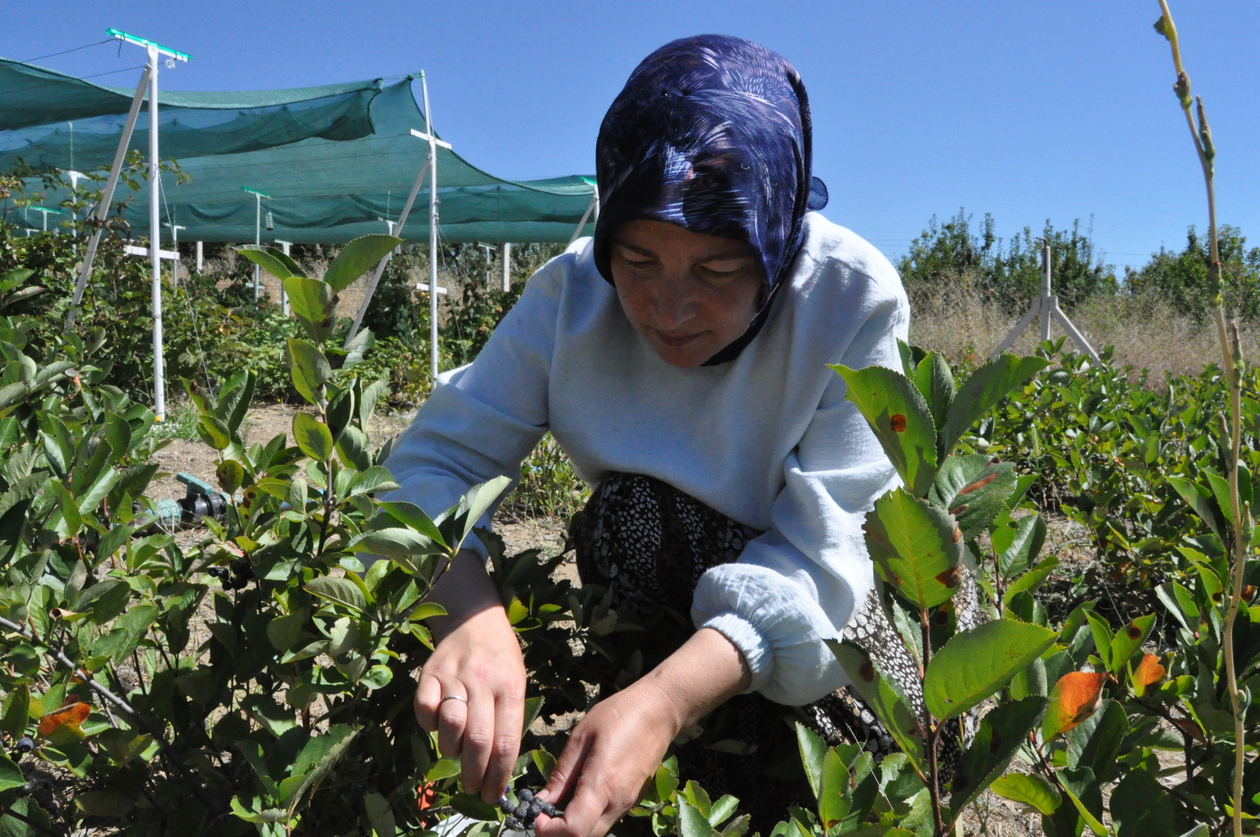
{"points": [[618, 746]]}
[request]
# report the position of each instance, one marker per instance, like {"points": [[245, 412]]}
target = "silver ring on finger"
{"points": [[459, 698]]}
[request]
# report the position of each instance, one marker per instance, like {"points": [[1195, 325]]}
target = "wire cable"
{"points": [[65, 51]]}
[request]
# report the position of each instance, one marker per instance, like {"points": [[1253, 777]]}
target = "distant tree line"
{"points": [[954, 252]]}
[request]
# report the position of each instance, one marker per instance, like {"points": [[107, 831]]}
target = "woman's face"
{"points": [[689, 294]]}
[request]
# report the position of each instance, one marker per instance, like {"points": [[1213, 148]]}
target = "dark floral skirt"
{"points": [[650, 544]]}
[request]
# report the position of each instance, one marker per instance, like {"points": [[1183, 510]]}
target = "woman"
{"points": [[680, 359]]}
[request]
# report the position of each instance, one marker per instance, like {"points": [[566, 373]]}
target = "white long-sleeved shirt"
{"points": [[767, 439]]}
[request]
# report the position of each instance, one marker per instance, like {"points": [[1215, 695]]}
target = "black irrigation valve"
{"points": [[521, 815]]}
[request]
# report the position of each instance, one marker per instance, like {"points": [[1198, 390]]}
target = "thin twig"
{"points": [[1232, 354]]}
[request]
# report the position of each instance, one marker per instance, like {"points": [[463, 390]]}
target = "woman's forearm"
{"points": [[703, 674], [465, 591]]}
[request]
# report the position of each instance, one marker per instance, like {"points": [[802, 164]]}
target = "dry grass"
{"points": [[1147, 333]]}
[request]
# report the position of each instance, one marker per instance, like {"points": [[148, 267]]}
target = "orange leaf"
{"points": [[427, 793], [1076, 696], [70, 715], [1148, 673]]}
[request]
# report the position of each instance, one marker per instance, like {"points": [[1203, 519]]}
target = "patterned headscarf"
{"points": [[711, 133]]}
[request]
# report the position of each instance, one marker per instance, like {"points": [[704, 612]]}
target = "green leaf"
{"points": [[897, 413], [271, 260], [1096, 741], [692, 822], [1141, 807], [813, 749], [285, 632], [1031, 580], [974, 664], [312, 436], [339, 590], [936, 383], [127, 632], [380, 816], [372, 480], [15, 712], [1002, 732], [357, 257], [1031, 790], [472, 506], [214, 432], [319, 756], [352, 447], [1128, 640], [883, 696], [396, 543], [229, 474], [1201, 500], [1102, 638], [916, 548], [309, 369], [834, 803], [1022, 544], [310, 299], [974, 488], [413, 517], [722, 810], [474, 808], [10, 774], [985, 388], [666, 778]]}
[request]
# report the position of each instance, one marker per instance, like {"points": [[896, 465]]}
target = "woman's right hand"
{"points": [[478, 661]]}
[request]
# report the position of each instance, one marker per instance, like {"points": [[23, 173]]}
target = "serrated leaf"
{"points": [[1076, 696], [974, 664], [983, 390], [936, 383], [372, 480], [269, 259], [884, 697], [900, 418], [974, 489], [916, 548], [310, 299], [1031, 580], [1128, 640], [1002, 732]]}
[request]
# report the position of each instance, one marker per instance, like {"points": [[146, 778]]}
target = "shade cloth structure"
{"points": [[337, 161]]}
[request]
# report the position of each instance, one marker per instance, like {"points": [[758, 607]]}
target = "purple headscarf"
{"points": [[712, 134]]}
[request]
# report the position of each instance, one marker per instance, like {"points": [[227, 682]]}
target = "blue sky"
{"points": [[1030, 110]]}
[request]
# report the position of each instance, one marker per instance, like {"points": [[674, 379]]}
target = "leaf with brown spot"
{"points": [[71, 715], [952, 576], [978, 484], [898, 423], [1076, 696]]}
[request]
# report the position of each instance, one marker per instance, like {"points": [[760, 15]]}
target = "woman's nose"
{"points": [[675, 303]]}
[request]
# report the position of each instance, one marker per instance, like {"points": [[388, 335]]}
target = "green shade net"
{"points": [[336, 162]]}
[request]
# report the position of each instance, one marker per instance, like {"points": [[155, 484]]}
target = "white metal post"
{"points": [[175, 248], [433, 233], [1047, 305], [284, 297], [505, 252], [258, 197], [201, 256], [155, 241]]}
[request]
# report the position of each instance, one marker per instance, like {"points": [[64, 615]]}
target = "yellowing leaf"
{"points": [[71, 715]]}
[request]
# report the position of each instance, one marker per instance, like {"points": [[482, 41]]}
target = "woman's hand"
{"points": [[472, 689], [618, 746]]}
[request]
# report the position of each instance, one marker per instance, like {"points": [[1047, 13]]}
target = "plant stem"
{"points": [[930, 730], [1233, 361]]}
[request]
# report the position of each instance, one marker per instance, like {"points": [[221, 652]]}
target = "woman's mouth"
{"points": [[675, 341]]}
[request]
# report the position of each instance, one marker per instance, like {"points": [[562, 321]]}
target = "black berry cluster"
{"points": [[234, 577], [25, 745], [521, 815]]}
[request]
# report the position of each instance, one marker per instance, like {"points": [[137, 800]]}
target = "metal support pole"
{"points": [[257, 238], [201, 255], [284, 297], [433, 233], [395, 229], [107, 196], [175, 265], [155, 241], [505, 252]]}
